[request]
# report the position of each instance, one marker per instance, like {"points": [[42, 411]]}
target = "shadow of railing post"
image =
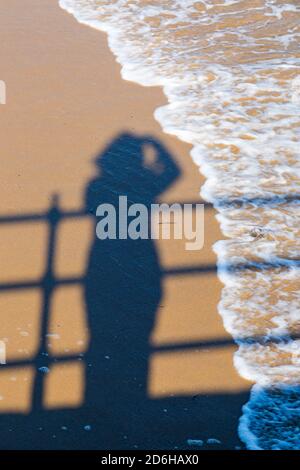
{"points": [[47, 286]]}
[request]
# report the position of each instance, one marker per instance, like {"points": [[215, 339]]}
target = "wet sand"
{"points": [[66, 102]]}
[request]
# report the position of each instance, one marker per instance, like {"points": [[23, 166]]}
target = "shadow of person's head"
{"points": [[123, 157], [132, 156], [137, 166]]}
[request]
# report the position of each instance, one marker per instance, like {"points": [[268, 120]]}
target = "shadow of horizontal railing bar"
{"points": [[168, 347], [65, 214], [174, 271]]}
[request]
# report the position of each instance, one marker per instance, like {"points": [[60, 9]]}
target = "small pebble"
{"points": [[257, 232], [213, 441], [195, 442]]}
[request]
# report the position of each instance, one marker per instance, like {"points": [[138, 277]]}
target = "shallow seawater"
{"points": [[231, 72]]}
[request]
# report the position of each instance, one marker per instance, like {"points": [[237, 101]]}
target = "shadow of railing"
{"points": [[48, 282]]}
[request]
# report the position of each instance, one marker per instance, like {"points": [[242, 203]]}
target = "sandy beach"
{"points": [[66, 102]]}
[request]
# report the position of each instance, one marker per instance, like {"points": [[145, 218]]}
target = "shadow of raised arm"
{"points": [[165, 169]]}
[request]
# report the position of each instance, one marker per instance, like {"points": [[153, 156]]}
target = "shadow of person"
{"points": [[123, 284], [123, 289]]}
